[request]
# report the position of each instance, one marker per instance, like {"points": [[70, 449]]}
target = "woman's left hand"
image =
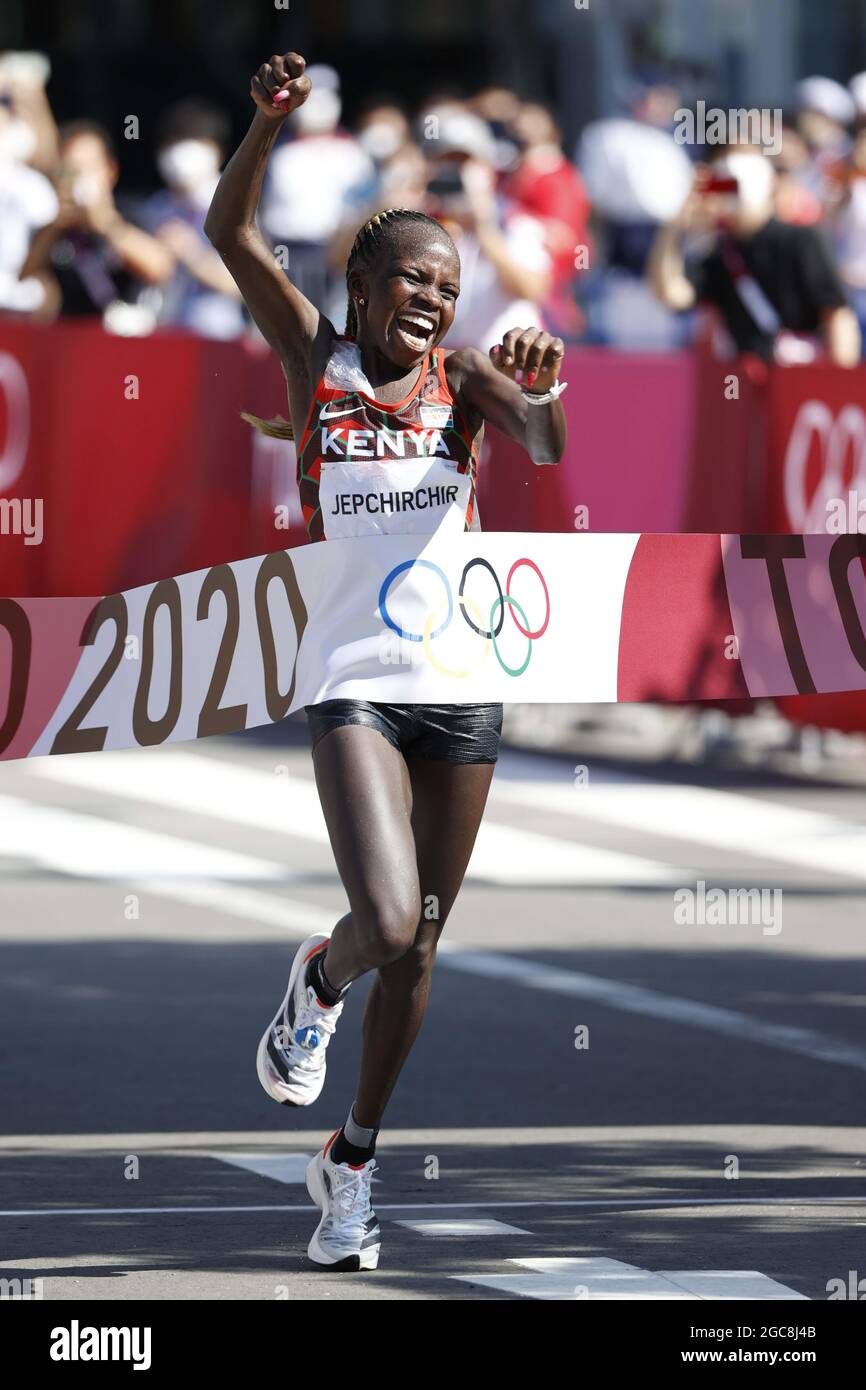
{"points": [[530, 357]]}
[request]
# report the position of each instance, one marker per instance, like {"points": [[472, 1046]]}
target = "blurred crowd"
{"points": [[636, 239]]}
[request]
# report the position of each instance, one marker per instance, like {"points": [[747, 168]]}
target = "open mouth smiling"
{"points": [[415, 329]]}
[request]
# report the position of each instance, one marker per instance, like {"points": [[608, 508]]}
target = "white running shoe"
{"points": [[291, 1056], [347, 1237]]}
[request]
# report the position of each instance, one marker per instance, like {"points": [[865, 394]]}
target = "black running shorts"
{"points": [[444, 733]]}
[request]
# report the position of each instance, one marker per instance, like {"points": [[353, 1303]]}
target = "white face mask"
{"points": [[319, 114], [88, 189], [380, 140], [17, 141], [187, 164], [754, 175]]}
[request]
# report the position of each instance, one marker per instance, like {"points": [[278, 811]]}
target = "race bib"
{"points": [[413, 497]]}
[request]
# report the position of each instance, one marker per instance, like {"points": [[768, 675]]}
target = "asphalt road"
{"points": [[604, 1101]]}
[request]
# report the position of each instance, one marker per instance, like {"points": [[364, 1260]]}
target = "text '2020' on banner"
{"points": [[481, 617]]}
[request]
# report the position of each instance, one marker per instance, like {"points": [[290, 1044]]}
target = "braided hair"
{"points": [[373, 237], [380, 232]]}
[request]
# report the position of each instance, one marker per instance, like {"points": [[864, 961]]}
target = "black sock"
{"points": [[318, 979], [343, 1150]]}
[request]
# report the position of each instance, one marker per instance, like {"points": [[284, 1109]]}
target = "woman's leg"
{"points": [[366, 796], [395, 835], [448, 804]]}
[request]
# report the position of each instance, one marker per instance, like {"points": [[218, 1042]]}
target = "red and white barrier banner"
{"points": [[137, 445], [816, 441], [816, 481], [481, 617]]}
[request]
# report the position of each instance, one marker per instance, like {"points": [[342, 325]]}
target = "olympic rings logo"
{"points": [[487, 626]]}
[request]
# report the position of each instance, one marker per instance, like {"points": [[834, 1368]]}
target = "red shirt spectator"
{"points": [[547, 185]]}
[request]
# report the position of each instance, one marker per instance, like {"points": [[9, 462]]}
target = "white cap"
{"points": [[320, 113], [827, 97], [857, 88], [323, 76], [460, 131]]}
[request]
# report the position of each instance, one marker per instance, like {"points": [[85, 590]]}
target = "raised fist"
{"points": [[280, 86], [530, 357]]}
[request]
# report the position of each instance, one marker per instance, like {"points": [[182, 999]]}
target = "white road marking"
{"points": [[199, 783], [504, 855], [92, 847], [698, 815], [297, 919], [66, 840], [634, 999], [465, 1227], [702, 815], [592, 1278], [288, 1168], [597, 1278], [729, 1283], [807, 1152], [289, 805], [302, 919], [612, 1203]]}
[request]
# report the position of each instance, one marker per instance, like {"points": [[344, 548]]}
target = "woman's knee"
{"points": [[416, 964], [387, 925]]}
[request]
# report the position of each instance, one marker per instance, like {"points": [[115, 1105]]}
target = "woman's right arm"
{"points": [[295, 329]]}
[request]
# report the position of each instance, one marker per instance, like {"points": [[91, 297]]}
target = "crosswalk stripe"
{"points": [[289, 805], [595, 1277], [94, 847], [79, 852], [479, 1226], [729, 1283], [301, 919], [179, 869], [296, 919], [287, 1168], [704, 816]]}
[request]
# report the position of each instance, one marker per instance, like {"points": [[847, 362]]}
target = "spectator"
{"points": [[200, 294], [93, 256], [314, 181], [22, 85], [637, 177], [27, 203], [500, 108], [775, 286], [547, 185], [383, 131], [385, 135], [506, 267], [849, 227], [857, 88], [656, 102], [794, 201], [824, 111]]}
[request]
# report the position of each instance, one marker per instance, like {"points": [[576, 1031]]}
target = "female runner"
{"points": [[403, 787]]}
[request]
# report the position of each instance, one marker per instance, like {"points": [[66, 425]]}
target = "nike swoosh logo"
{"points": [[335, 414]]}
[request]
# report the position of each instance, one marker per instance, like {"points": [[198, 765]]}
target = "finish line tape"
{"points": [[495, 616]]}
